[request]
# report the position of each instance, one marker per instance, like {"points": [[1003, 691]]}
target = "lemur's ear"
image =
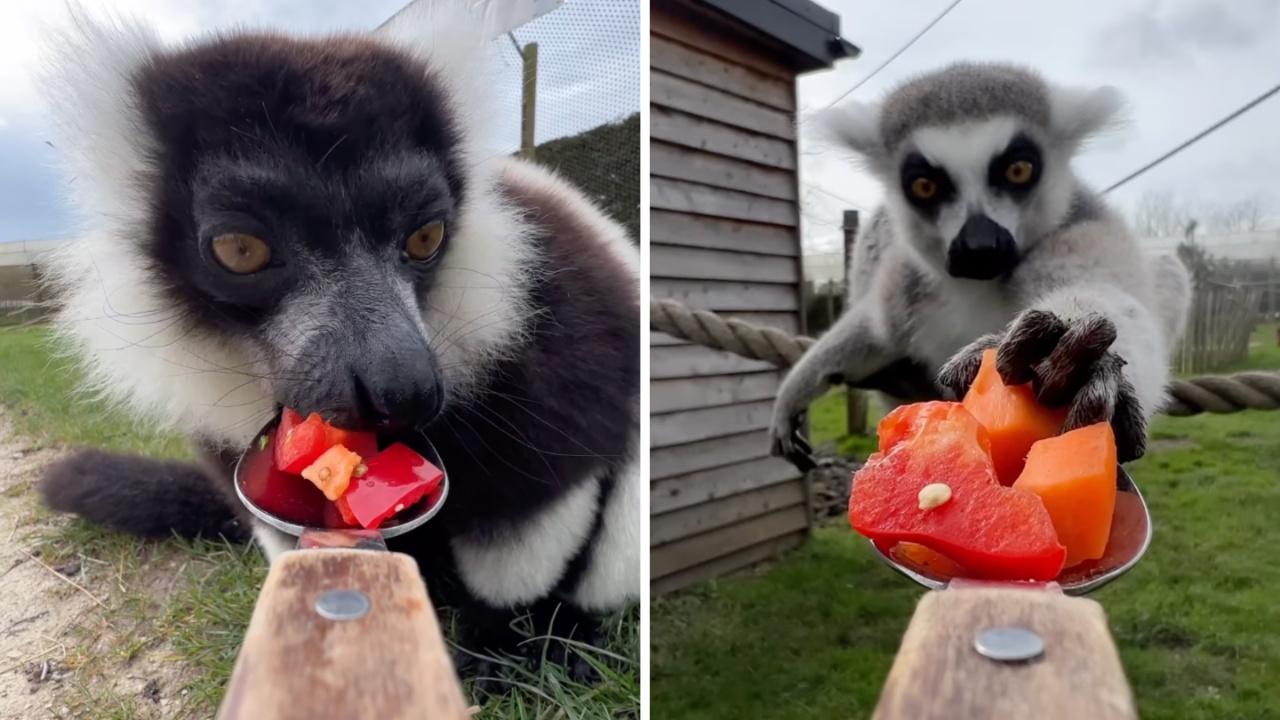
{"points": [[855, 126], [1077, 114]]}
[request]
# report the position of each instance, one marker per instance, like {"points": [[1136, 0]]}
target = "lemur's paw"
{"points": [[1070, 364], [787, 442], [962, 369]]}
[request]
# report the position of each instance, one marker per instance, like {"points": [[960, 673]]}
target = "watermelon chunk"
{"points": [[993, 532]]}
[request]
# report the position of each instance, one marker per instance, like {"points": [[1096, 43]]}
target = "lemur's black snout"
{"points": [[395, 387], [982, 251], [371, 371]]}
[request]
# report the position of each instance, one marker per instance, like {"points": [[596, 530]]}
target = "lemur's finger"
{"points": [[1096, 400], [1108, 396], [1031, 337], [1128, 424], [959, 372], [1072, 362]]}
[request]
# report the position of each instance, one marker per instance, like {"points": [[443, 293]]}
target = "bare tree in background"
{"points": [[1160, 213], [1241, 216]]}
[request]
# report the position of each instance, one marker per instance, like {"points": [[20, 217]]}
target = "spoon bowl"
{"points": [[1130, 537], [408, 519]]}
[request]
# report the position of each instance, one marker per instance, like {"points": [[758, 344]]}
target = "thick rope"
{"points": [[1217, 394]]}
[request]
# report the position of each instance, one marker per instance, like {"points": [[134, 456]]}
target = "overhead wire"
{"points": [[915, 38], [899, 52], [1197, 137]]}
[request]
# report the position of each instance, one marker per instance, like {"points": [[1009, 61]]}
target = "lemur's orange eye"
{"points": [[425, 241], [1019, 172], [924, 188], [240, 253]]}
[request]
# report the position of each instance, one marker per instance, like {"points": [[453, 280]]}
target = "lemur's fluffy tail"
{"points": [[141, 496]]}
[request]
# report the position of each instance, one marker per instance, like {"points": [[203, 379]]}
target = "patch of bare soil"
{"points": [[74, 639]]}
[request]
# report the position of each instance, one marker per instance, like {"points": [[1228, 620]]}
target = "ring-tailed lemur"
{"points": [[987, 238], [318, 223]]}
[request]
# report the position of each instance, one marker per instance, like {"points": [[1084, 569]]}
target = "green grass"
{"points": [[814, 635], [203, 604]]}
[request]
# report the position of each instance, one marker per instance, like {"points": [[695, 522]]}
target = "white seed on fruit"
{"points": [[933, 495], [325, 474], [399, 507], [360, 470]]}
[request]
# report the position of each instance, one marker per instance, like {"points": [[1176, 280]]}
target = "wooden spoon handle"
{"points": [[390, 663], [940, 674]]}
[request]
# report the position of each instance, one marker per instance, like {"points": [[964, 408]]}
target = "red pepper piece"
{"points": [[364, 444], [301, 442], [993, 532], [298, 444], [345, 510], [396, 478], [336, 519], [289, 497]]}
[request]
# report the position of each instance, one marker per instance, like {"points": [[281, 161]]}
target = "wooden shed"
{"points": [[725, 236]]}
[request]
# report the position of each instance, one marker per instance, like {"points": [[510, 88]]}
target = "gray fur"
{"points": [[961, 92], [1078, 264]]}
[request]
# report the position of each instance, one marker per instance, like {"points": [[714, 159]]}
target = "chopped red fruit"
{"points": [[289, 497], [335, 519], [993, 532], [345, 510], [364, 444], [395, 479], [300, 442]]}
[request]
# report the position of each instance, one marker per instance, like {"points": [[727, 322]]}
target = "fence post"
{"points": [[855, 400], [529, 101]]}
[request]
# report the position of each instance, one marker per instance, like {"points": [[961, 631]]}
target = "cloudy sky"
{"points": [[601, 35], [1182, 64]]}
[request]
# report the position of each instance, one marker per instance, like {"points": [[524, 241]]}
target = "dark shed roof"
{"points": [[809, 31]]}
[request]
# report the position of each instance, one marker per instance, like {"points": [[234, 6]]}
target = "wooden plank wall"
{"points": [[725, 237]]}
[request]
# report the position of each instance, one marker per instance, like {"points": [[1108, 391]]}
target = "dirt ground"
{"points": [[64, 650]]}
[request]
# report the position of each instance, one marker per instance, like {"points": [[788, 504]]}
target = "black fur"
{"points": [[314, 146], [149, 498]]}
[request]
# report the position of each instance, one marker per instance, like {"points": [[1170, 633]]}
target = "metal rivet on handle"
{"points": [[342, 604], [1009, 644]]}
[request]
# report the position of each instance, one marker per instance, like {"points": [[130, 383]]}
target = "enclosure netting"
{"points": [[587, 124]]}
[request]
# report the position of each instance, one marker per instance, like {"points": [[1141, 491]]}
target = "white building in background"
{"points": [[25, 252], [1261, 246]]}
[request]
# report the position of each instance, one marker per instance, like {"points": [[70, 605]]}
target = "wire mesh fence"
{"points": [[587, 99]]}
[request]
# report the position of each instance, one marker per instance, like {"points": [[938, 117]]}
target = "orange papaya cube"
{"points": [[1013, 418], [991, 531], [331, 472], [1074, 474]]}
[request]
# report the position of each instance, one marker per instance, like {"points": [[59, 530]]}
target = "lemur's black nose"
{"points": [[983, 250], [395, 386]]}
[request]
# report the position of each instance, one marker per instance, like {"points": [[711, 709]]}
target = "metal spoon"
{"points": [[408, 519], [1130, 537], [357, 606]]}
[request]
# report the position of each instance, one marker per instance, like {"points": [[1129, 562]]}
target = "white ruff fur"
{"points": [[510, 566], [613, 574], [137, 348]]}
